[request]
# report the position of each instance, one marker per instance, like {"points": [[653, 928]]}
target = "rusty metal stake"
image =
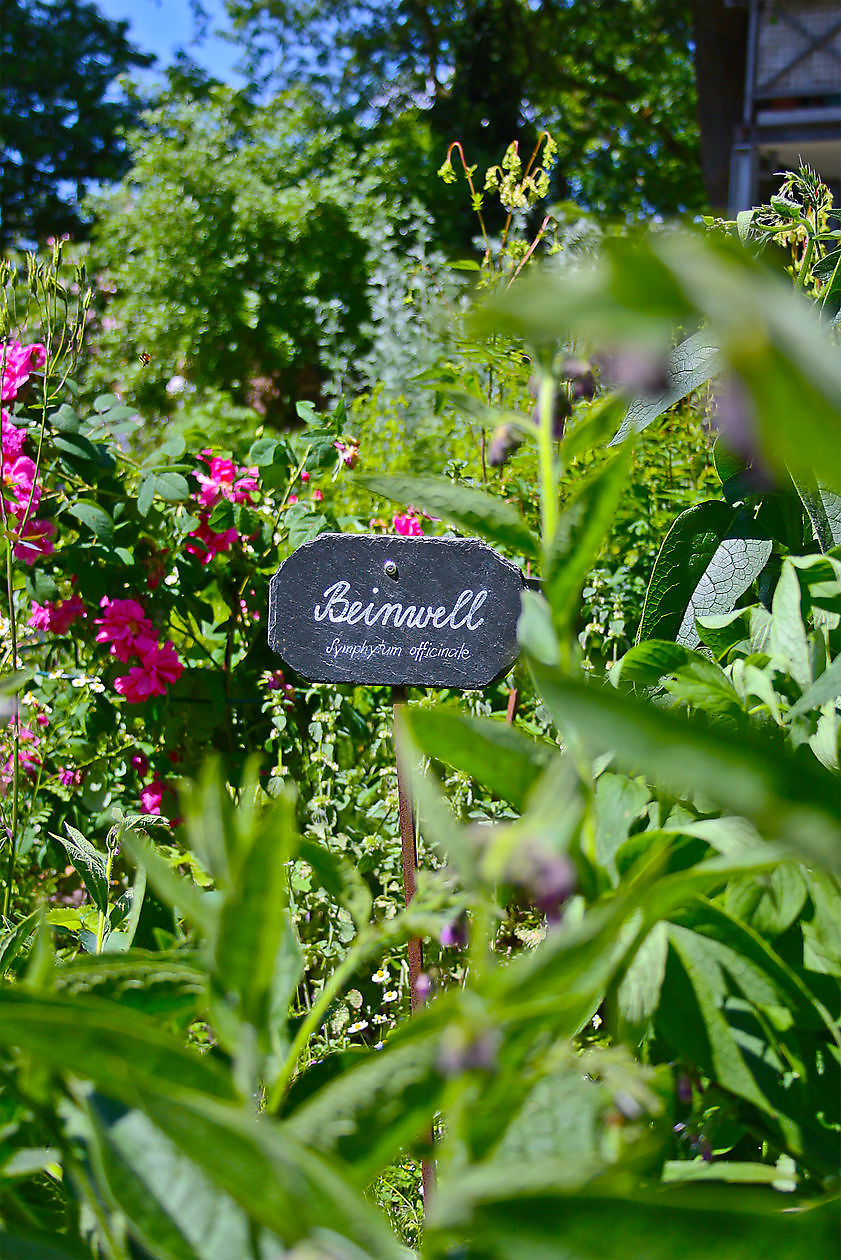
{"points": [[408, 843]]}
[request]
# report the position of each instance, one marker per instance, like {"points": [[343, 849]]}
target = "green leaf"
{"points": [[619, 803], [252, 917], [29, 1246], [788, 642], [708, 559], [584, 524], [13, 940], [173, 1209], [146, 494], [95, 517], [638, 995], [647, 662], [118, 1049], [262, 452], [104, 402], [463, 506], [827, 686], [338, 877], [171, 487], [278, 1182], [691, 364], [530, 1222], [178, 892], [89, 862], [304, 525], [167, 985], [222, 516], [496, 754], [787, 795], [824, 511]]}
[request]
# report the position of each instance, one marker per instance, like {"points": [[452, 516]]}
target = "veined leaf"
{"points": [[690, 365], [89, 862], [708, 559], [463, 506]]}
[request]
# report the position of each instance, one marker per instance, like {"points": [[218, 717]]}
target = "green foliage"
{"points": [[645, 873], [63, 116]]}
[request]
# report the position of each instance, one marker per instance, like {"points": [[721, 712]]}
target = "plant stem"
{"points": [[100, 924], [546, 460]]}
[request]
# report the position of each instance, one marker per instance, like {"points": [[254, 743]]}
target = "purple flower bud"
{"points": [[551, 879], [684, 1088], [504, 441], [462, 1052], [423, 987], [454, 934], [581, 377], [638, 370]]}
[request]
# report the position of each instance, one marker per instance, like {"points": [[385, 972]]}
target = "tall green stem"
{"points": [[546, 460]]}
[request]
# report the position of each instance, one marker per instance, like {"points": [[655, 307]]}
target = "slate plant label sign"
{"points": [[421, 612]]}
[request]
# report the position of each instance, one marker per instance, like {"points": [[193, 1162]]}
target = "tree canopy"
{"points": [[61, 122], [614, 82]]}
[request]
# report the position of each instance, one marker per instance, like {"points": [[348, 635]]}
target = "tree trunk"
{"points": [[720, 32]]}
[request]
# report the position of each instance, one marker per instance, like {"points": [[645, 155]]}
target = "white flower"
{"points": [[357, 1027], [391, 996], [380, 977]]}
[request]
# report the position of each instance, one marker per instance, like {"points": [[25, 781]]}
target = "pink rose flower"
{"points": [[317, 496], [19, 478], [408, 525], [18, 363], [226, 480], [208, 543], [57, 618], [305, 476], [34, 539], [159, 667], [140, 762], [348, 452], [152, 795], [13, 438], [123, 623]]}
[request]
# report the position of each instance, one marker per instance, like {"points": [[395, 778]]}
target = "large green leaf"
{"points": [[252, 916], [495, 753], [580, 535], [280, 1183], [468, 509], [172, 1208], [89, 862], [710, 557], [531, 1223], [690, 365], [120, 1050], [786, 794]]}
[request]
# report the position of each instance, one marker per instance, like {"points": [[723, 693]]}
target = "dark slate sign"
{"points": [[422, 612]]}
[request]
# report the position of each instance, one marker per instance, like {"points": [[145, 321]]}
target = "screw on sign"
{"points": [[397, 612]]}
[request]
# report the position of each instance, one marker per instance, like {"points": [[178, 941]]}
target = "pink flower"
{"points": [[70, 778], [317, 496], [151, 796], [408, 525], [293, 498], [13, 438], [57, 618], [158, 668], [140, 762], [18, 363], [208, 542], [305, 476], [226, 480], [28, 759], [19, 478], [124, 623], [348, 452], [34, 539]]}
